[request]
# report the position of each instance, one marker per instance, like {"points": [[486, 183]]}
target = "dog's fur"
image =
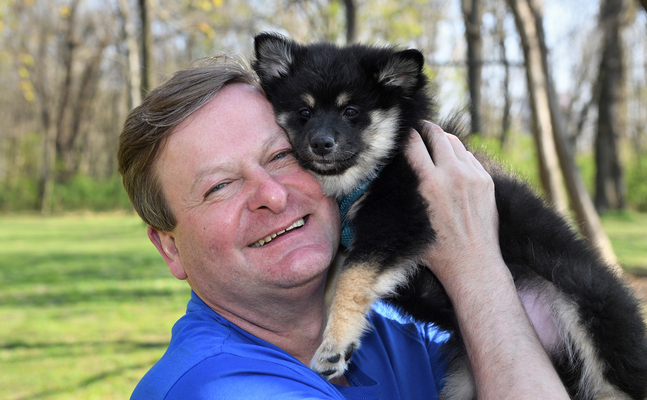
{"points": [[347, 112]]}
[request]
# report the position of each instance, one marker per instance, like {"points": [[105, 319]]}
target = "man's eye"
{"points": [[282, 154], [218, 187]]}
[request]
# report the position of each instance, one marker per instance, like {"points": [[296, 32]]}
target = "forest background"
{"points": [[557, 90]]}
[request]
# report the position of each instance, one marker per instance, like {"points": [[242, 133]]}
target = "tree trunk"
{"points": [[541, 119], [147, 47], [134, 73], [505, 118], [609, 182], [529, 23], [351, 21], [63, 115], [472, 17]]}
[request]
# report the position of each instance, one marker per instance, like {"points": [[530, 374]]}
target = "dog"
{"points": [[348, 112]]}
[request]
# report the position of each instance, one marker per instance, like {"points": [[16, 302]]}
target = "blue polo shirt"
{"points": [[211, 358]]}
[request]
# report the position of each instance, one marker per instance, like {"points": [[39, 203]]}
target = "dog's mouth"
{"points": [[328, 166], [295, 225]]}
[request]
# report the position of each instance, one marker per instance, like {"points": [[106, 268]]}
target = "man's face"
{"points": [[230, 178]]}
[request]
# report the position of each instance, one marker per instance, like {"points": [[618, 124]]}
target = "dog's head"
{"points": [[346, 110]]}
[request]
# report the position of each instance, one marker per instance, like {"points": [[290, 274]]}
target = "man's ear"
{"points": [[165, 244]]}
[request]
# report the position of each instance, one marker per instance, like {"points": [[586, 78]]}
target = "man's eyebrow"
{"points": [[266, 146]]}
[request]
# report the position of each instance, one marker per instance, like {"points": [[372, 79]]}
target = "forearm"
{"points": [[506, 355]]}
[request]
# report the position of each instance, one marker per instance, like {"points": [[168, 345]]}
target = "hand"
{"points": [[460, 194], [507, 358]]}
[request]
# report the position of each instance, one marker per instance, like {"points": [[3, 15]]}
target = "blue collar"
{"points": [[345, 202]]}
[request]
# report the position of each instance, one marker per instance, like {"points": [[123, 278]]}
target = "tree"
{"points": [[472, 18], [548, 126], [609, 182], [65, 44], [146, 46], [134, 72], [537, 81], [499, 37], [351, 21]]}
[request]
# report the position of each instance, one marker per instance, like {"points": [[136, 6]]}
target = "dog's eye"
{"points": [[351, 112], [305, 112]]}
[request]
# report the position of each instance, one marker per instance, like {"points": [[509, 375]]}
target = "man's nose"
{"points": [[268, 192]]}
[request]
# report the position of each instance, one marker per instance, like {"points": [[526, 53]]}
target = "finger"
{"points": [[438, 141], [476, 162], [417, 153], [459, 148]]}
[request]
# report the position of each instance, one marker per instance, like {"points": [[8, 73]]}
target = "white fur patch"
{"points": [[593, 383], [282, 119], [379, 137], [459, 384]]}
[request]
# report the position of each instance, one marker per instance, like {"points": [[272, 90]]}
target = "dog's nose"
{"points": [[322, 144]]}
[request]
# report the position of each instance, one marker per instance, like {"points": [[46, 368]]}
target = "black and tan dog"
{"points": [[347, 112]]}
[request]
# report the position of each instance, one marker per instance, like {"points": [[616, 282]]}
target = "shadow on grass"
{"points": [[69, 348], [115, 372], [99, 295], [52, 267]]}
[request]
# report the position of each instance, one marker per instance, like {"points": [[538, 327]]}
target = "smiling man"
{"points": [[232, 213]]}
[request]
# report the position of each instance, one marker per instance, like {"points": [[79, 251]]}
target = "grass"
{"points": [[87, 304], [628, 234]]}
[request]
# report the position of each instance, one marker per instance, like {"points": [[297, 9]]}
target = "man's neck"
{"points": [[294, 322]]}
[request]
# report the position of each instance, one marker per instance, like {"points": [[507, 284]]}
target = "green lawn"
{"points": [[87, 304], [628, 234]]}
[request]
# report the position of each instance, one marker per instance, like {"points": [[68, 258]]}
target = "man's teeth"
{"points": [[268, 239]]}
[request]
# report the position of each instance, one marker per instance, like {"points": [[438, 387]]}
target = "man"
{"points": [[232, 213]]}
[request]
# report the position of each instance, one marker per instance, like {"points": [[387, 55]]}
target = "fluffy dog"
{"points": [[347, 112]]}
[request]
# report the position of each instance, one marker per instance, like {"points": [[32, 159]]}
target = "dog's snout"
{"points": [[322, 144]]}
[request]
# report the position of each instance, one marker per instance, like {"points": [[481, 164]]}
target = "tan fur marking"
{"points": [[309, 100], [347, 321], [353, 299], [342, 99]]}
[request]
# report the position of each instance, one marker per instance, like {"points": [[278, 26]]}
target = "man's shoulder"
{"points": [[209, 356]]}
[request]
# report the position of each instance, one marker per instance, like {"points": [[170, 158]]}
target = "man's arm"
{"points": [[506, 355]]}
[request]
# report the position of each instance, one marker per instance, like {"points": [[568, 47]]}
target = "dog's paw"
{"points": [[331, 359]]}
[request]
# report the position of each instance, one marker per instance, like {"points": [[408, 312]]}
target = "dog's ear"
{"points": [[274, 55], [403, 69]]}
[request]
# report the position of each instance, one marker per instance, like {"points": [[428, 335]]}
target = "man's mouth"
{"points": [[297, 224]]}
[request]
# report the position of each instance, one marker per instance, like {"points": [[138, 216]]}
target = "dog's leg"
{"points": [[359, 285], [565, 338]]}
